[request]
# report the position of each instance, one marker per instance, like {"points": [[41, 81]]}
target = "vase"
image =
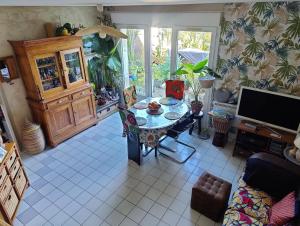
{"points": [[33, 139], [207, 81], [196, 107]]}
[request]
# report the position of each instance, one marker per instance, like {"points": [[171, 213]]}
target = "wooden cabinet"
{"points": [[57, 86], [83, 109], [13, 183], [251, 140], [62, 119]]}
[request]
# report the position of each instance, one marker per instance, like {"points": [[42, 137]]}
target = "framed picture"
{"points": [[2, 154]]}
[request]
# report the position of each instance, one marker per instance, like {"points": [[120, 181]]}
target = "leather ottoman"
{"points": [[210, 196]]}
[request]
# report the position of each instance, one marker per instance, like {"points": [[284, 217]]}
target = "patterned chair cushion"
{"points": [[175, 89], [251, 202], [128, 120], [130, 97]]}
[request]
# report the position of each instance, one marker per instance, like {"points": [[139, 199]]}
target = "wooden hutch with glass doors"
{"points": [[56, 82]]}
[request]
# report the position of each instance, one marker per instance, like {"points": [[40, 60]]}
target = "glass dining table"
{"points": [[155, 126], [155, 122]]}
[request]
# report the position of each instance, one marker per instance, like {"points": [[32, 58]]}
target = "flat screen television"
{"points": [[269, 108]]}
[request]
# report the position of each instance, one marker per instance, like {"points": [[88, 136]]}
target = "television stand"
{"points": [[260, 138]]}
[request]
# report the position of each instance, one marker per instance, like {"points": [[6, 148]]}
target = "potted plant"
{"points": [[105, 66], [196, 74]]}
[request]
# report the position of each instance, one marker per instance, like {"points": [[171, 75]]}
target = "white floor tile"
{"points": [[89, 178]]}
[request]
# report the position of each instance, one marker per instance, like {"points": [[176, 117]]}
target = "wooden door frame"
{"points": [[39, 80], [62, 53]]}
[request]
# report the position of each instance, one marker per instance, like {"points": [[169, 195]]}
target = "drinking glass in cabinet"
{"points": [[73, 67], [48, 73]]}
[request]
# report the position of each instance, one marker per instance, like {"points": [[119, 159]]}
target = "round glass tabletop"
{"points": [[159, 121]]}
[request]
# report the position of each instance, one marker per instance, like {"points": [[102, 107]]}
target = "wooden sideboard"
{"points": [[13, 183], [57, 86], [257, 138]]}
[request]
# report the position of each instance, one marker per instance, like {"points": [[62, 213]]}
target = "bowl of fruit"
{"points": [[154, 106]]}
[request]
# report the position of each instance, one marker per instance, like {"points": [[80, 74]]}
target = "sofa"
{"points": [[266, 180]]}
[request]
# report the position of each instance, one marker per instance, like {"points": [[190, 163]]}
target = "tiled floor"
{"points": [[88, 180]]}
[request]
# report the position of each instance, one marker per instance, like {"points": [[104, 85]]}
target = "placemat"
{"points": [[172, 115], [141, 121], [140, 105]]}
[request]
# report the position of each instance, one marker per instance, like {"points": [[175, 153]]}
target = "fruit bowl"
{"points": [[154, 106]]}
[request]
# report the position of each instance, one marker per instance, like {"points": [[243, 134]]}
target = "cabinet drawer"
{"points": [[14, 169], [6, 187], [82, 93], [20, 182], [11, 203], [2, 175], [11, 159], [57, 102]]}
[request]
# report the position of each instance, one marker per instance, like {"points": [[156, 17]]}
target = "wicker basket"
{"points": [[11, 203], [221, 125], [33, 140]]}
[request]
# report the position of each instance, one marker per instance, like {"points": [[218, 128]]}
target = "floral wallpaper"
{"points": [[260, 46]]}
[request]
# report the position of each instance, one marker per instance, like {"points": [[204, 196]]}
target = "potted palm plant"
{"points": [[199, 76]]}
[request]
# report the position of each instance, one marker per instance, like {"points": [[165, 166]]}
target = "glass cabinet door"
{"points": [[48, 72], [72, 65]]}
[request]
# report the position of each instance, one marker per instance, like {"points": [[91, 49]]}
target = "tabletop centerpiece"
{"points": [[154, 107]]}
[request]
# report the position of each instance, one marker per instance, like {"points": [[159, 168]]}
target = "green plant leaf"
{"points": [[260, 8], [200, 66], [293, 29], [114, 64], [181, 72]]}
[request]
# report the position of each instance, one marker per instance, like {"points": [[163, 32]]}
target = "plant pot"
{"points": [[207, 81], [196, 106]]}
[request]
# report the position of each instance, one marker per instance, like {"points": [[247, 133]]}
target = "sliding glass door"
{"points": [[150, 55], [192, 46], [133, 59], [160, 59]]}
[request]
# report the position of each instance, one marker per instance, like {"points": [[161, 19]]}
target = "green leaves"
{"points": [[260, 8], [285, 70], [253, 48], [192, 73], [293, 29]]}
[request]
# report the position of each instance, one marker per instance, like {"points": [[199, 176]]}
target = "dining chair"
{"points": [[136, 137], [175, 89], [130, 98], [131, 128]]}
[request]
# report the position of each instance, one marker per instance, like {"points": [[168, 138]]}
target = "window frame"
{"points": [[147, 42], [174, 50]]}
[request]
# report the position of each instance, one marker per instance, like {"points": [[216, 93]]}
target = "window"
{"points": [[133, 59], [151, 54], [160, 59], [192, 47]]}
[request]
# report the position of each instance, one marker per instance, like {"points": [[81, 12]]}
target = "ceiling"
{"points": [[108, 2]]}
